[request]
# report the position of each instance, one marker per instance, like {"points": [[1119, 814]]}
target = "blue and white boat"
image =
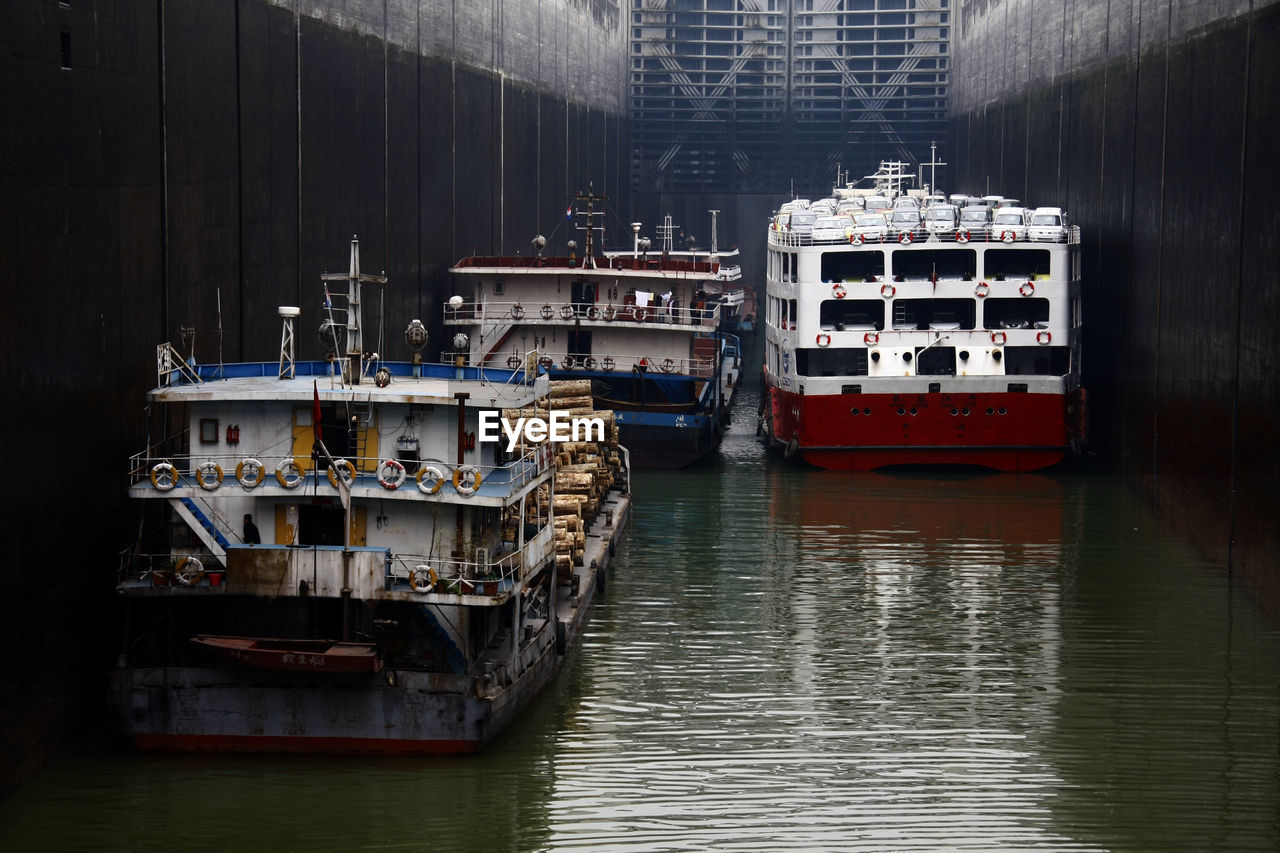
{"points": [[646, 327]]}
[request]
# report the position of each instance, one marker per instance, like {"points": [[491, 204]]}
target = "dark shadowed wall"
{"points": [[1154, 122], [186, 163]]}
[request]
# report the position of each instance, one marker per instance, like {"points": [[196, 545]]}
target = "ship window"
{"points": [[942, 263], [208, 430], [1001, 263], [1036, 361], [828, 361], [935, 361], [320, 525], [1023, 312], [852, 265], [936, 314], [851, 314]]}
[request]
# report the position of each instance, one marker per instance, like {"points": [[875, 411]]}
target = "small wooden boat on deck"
{"points": [[291, 655]]}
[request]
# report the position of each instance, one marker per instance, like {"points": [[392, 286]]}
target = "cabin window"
{"points": [[936, 263], [1023, 312], [499, 286], [792, 312], [936, 361], [1037, 361], [851, 314], [936, 314], [830, 361], [208, 430], [852, 266], [1001, 264]]}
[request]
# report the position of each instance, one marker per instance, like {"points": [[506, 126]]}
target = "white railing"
{"points": [[452, 576], [202, 474], [559, 313], [625, 363], [914, 236]]}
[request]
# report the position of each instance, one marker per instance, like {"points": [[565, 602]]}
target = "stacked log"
{"points": [[584, 470]]}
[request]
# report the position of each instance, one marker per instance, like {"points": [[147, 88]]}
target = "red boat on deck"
{"points": [[287, 655]]}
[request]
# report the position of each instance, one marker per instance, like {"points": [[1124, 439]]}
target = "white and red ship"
{"points": [[923, 347]]}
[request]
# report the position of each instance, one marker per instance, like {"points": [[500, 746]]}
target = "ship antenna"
{"points": [[354, 278]]}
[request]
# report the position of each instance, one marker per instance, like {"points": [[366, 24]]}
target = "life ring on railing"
{"points": [[289, 474], [1026, 288], [467, 480], [164, 476], [888, 291], [423, 578], [513, 361], [1044, 337], [566, 311], [998, 338], [668, 365], [871, 338], [592, 312], [341, 468], [546, 363], [382, 377], [567, 362], [547, 312], [905, 237], [823, 340], [589, 363], [610, 312], [607, 362], [638, 314], [429, 479], [209, 476], [1008, 236], [856, 239], [839, 291], [982, 289], [250, 473], [189, 571], [962, 236], [517, 311], [390, 474]]}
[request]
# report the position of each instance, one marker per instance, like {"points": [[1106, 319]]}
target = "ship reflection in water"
{"points": [[794, 659]]}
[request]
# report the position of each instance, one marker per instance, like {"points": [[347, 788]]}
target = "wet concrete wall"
{"points": [[1154, 122], [181, 163]]}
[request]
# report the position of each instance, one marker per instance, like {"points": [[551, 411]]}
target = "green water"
{"points": [[792, 659]]}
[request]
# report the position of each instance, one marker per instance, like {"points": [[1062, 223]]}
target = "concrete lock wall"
{"points": [[1153, 123], [183, 163]]}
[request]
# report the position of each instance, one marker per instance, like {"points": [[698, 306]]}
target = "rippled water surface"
{"points": [[793, 659]]}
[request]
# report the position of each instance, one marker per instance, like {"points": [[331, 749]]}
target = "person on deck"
{"points": [[251, 536]]}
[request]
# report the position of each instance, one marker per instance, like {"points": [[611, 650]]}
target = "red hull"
{"points": [[302, 745], [862, 432]]}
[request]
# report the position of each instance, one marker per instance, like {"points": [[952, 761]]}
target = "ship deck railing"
{"points": [[921, 236], [647, 262], [681, 317], [497, 573], [172, 370], [193, 474], [603, 362]]}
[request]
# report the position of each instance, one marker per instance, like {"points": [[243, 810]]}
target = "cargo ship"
{"points": [[939, 337], [644, 326], [333, 557]]}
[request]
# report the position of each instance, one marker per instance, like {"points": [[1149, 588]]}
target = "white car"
{"points": [[1010, 223], [831, 228], [976, 221], [941, 218], [869, 227], [1049, 223]]}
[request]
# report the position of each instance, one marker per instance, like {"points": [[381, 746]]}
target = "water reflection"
{"points": [[790, 659]]}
